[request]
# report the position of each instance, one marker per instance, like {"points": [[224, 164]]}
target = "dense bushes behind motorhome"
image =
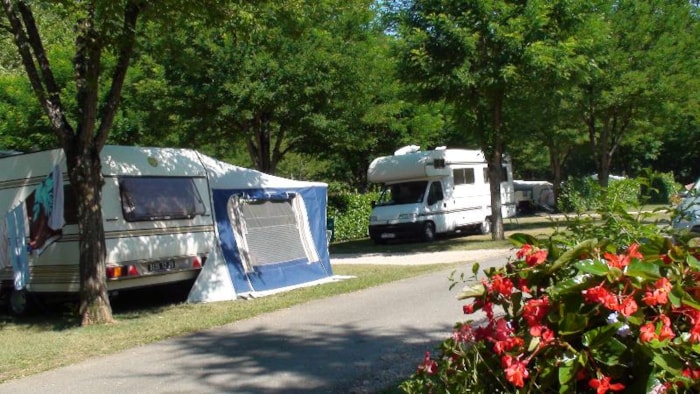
{"points": [[585, 194], [350, 213]]}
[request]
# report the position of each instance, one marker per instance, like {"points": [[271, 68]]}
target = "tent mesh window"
{"points": [[272, 232]]}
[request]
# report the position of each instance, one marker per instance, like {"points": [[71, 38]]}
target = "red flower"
{"points": [[543, 332], [633, 251], [603, 385], [536, 258], [659, 295], [628, 306], [647, 332], [522, 285], [692, 373], [533, 256], [617, 260], [660, 332], [501, 285], [525, 250], [623, 260], [428, 366], [535, 310], [516, 370], [470, 308], [600, 294]]}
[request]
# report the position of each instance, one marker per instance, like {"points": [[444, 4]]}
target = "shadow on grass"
{"points": [[62, 314]]}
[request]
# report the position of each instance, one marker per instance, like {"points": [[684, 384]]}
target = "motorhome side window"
{"points": [[159, 198], [403, 193], [463, 176]]}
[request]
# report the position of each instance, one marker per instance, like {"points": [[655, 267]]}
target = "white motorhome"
{"points": [[157, 220], [432, 192]]}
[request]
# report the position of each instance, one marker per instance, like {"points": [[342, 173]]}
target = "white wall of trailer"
{"points": [[157, 251]]}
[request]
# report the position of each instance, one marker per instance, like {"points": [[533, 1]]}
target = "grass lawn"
{"points": [[53, 339]]}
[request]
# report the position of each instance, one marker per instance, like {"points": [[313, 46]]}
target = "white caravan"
{"points": [[433, 192], [165, 213], [157, 220]]}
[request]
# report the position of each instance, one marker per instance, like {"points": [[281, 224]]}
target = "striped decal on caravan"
{"points": [[144, 232], [25, 182]]}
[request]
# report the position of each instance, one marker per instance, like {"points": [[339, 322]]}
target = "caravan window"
{"points": [[463, 176], [159, 198], [403, 193]]}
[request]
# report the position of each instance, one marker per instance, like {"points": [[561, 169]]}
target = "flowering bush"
{"points": [[596, 317]]}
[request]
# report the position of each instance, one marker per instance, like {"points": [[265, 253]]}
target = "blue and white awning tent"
{"points": [[271, 234]]}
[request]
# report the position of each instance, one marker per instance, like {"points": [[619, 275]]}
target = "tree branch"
{"points": [[126, 49], [27, 39]]}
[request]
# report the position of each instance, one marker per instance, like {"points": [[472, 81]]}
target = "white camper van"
{"points": [[432, 192], [157, 220]]}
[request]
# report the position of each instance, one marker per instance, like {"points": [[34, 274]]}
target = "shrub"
{"points": [[619, 312], [585, 194], [350, 213], [660, 187]]}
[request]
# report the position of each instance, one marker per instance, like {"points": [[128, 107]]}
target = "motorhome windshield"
{"points": [[403, 193]]}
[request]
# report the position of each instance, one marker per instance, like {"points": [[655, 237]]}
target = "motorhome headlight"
{"points": [[408, 216]]}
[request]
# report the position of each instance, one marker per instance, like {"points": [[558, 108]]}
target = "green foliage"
{"points": [[350, 212], [584, 194], [616, 311], [661, 187]]}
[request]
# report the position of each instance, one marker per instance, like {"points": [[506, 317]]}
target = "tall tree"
{"points": [[642, 60], [478, 56], [104, 36]]}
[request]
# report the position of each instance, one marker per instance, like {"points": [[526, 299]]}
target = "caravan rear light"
{"points": [[132, 271], [114, 272], [196, 263]]}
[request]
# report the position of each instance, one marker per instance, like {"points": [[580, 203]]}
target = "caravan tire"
{"points": [[485, 226], [428, 232], [21, 302]]}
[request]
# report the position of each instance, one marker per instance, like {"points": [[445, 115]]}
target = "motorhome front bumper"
{"points": [[387, 232]]}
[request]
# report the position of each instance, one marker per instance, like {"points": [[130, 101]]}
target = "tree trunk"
{"points": [[85, 172], [495, 164]]}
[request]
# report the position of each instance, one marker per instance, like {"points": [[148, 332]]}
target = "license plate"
{"points": [[388, 235], [161, 266]]}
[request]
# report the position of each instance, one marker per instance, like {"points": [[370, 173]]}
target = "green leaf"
{"points": [[570, 286], [644, 270], [599, 335], [567, 373], [475, 290], [693, 262], [679, 296], [573, 254], [520, 239], [593, 266], [669, 363], [572, 323], [610, 353], [475, 268]]}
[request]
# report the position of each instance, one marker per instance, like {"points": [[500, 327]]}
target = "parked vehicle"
{"points": [[166, 212], [688, 217], [434, 192]]}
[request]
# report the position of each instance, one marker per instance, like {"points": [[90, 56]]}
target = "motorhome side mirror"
{"points": [[373, 203]]}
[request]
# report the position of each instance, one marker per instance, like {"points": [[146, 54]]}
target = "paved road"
{"points": [[352, 343]]}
